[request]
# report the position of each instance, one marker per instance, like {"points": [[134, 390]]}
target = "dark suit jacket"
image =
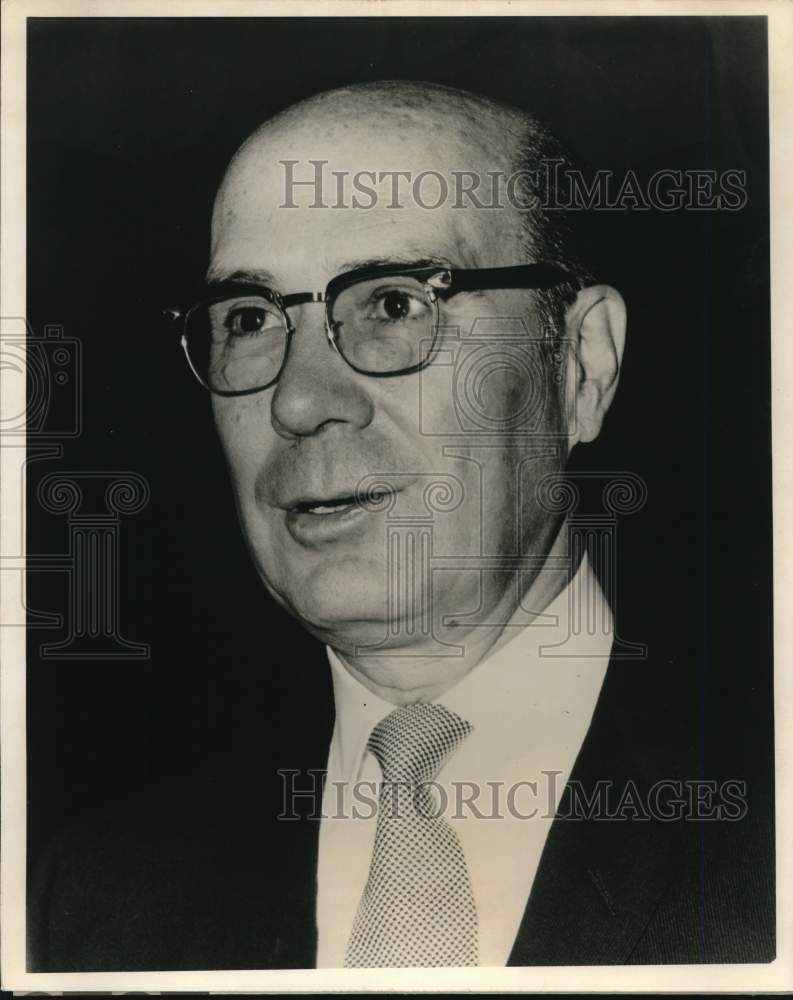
{"points": [[208, 878]]}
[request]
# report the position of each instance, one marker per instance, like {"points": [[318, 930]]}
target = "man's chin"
{"points": [[341, 604]]}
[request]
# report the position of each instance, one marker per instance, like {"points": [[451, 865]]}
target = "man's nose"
{"points": [[316, 387]]}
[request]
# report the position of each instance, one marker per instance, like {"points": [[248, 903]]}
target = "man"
{"points": [[398, 376]]}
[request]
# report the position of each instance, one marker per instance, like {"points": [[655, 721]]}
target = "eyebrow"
{"points": [[370, 262], [257, 276], [260, 276]]}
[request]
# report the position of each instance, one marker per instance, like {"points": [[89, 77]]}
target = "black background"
{"points": [[130, 125]]}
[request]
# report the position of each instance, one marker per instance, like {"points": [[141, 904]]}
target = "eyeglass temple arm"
{"points": [[540, 275]]}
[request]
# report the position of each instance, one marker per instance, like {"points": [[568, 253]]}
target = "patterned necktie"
{"points": [[417, 907]]}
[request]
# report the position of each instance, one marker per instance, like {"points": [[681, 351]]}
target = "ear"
{"points": [[595, 329]]}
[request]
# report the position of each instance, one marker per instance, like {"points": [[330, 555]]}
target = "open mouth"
{"points": [[324, 507], [314, 520], [371, 500]]}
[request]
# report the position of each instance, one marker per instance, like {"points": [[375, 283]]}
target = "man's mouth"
{"points": [[324, 507], [371, 500], [312, 520]]}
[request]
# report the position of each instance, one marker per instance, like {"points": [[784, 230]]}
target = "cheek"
{"points": [[501, 385], [244, 429], [523, 392]]}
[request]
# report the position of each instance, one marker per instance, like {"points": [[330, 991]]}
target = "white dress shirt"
{"points": [[530, 711]]}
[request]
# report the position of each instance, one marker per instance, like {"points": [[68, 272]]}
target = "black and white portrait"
{"points": [[398, 493]]}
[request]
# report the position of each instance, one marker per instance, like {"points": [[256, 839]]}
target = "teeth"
{"points": [[330, 508]]}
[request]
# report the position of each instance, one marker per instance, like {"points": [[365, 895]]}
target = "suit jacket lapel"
{"points": [[297, 927], [600, 879], [273, 859]]}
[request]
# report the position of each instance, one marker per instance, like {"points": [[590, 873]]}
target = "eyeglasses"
{"points": [[382, 320]]}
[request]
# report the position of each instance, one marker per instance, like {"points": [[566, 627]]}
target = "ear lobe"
{"points": [[595, 325]]}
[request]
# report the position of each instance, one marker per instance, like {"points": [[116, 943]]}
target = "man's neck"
{"points": [[411, 674]]}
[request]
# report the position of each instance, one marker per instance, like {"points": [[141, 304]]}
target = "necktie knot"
{"points": [[413, 742]]}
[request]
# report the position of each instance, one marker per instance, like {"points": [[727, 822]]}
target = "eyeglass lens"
{"points": [[380, 326]]}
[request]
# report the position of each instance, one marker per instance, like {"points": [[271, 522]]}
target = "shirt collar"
{"points": [[542, 673], [538, 676], [358, 710]]}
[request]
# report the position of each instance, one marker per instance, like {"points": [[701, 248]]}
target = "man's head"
{"points": [[457, 448]]}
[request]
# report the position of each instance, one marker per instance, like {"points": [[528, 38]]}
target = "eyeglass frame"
{"points": [[449, 281]]}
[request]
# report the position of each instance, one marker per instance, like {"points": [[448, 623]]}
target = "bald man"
{"points": [[399, 371]]}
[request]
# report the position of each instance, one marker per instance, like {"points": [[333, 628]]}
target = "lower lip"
{"points": [[310, 529]]}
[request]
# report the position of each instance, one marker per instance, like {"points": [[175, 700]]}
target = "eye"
{"points": [[249, 320], [243, 322], [397, 304]]}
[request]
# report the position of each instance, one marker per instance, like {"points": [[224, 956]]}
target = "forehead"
{"points": [[307, 200]]}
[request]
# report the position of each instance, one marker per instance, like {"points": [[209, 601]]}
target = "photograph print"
{"points": [[398, 493]]}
